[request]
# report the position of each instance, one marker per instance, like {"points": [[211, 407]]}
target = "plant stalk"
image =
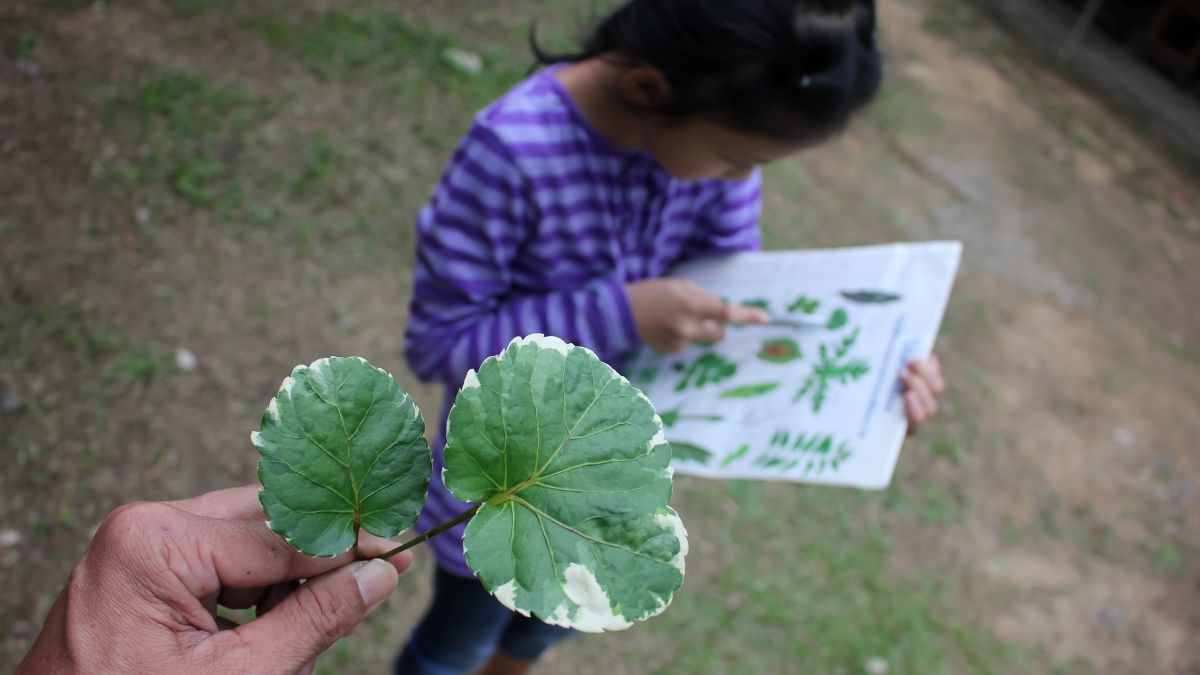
{"points": [[432, 533]]}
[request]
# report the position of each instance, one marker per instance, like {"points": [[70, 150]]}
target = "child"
{"points": [[573, 195]]}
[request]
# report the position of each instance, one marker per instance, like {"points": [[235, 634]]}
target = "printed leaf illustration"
{"points": [[673, 417], [783, 350], [647, 375], [688, 452], [342, 447], [822, 452], [751, 390], [804, 305], [735, 455], [870, 297], [758, 303], [708, 369], [838, 319], [832, 368], [570, 468]]}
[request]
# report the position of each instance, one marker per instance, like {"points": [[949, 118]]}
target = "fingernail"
{"points": [[376, 580]]}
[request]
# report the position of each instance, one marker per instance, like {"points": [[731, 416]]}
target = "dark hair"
{"points": [[786, 69]]}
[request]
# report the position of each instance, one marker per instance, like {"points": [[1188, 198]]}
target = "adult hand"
{"points": [[143, 598], [673, 313], [923, 384]]}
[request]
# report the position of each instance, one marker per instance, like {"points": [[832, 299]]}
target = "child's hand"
{"points": [[673, 313], [923, 383]]}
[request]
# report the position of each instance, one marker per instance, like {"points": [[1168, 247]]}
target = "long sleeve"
{"points": [[465, 306], [730, 223]]}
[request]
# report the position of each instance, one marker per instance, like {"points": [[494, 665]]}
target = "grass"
{"points": [[22, 46], [397, 54], [190, 8], [904, 106], [809, 581], [189, 133]]}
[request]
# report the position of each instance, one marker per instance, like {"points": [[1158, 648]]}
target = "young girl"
{"points": [[573, 195]]}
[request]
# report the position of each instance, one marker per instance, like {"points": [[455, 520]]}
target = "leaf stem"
{"points": [[432, 533]]}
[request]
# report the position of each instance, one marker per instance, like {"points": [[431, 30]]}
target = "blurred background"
{"points": [[196, 195]]}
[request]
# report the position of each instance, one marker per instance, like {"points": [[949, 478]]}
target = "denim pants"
{"points": [[464, 625]]}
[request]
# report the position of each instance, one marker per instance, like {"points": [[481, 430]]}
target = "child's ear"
{"points": [[645, 87]]}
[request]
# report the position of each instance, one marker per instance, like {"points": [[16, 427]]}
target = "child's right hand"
{"points": [[673, 313]]}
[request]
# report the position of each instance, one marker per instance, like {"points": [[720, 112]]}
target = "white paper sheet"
{"points": [[815, 397]]}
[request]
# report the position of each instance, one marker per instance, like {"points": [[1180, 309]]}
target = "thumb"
{"points": [[315, 616]]}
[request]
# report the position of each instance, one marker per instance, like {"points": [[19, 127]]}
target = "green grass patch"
{"points": [[1175, 346], [142, 362], [21, 46], [339, 42], [186, 105], [189, 133], [812, 583], [191, 8], [404, 58], [905, 106]]}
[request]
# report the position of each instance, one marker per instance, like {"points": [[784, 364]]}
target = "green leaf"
{"points": [[673, 417], [838, 319], [572, 469], [870, 297], [782, 350], [758, 303], [342, 447], [805, 305], [708, 369], [751, 390], [689, 452], [741, 452]]}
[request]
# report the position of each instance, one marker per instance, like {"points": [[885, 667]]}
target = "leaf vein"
{"points": [[541, 514]]}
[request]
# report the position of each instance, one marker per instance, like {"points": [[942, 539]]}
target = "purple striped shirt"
{"points": [[537, 225]]}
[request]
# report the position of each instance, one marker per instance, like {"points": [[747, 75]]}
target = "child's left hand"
{"points": [[923, 384]]}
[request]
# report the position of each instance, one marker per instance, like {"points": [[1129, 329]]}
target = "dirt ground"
{"points": [[259, 214]]}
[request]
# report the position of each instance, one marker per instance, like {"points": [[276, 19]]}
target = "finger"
{"points": [[237, 597], [740, 314], [672, 346], [705, 305], [311, 619], [920, 386], [235, 504], [245, 554], [914, 411], [373, 547], [707, 330], [931, 371]]}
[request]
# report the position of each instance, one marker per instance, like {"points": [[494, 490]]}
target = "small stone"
{"points": [[185, 360], [142, 215], [875, 666], [1112, 619], [1123, 437], [468, 62], [29, 68], [734, 601], [9, 538], [12, 404]]}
